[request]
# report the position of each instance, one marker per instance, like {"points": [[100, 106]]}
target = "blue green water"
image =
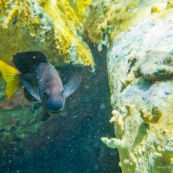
{"points": [[67, 143]]}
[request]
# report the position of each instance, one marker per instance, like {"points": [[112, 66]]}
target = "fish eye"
{"points": [[63, 90]]}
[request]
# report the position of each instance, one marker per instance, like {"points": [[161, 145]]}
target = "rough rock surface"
{"points": [[104, 20], [140, 75], [139, 64], [53, 27]]}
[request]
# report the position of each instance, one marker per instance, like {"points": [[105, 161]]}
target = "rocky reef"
{"points": [[104, 20], [137, 38], [55, 28], [139, 63]]}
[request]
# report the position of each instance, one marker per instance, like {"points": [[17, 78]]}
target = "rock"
{"points": [[140, 77], [104, 20], [54, 28]]}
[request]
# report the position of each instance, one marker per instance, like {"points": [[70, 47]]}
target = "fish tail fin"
{"points": [[12, 78]]}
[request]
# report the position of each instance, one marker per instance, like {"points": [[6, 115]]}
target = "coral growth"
{"points": [[53, 27]]}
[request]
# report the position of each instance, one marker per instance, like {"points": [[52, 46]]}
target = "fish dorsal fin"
{"points": [[12, 78], [71, 86], [27, 62]]}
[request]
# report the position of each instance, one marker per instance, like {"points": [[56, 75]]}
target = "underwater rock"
{"points": [[104, 20], [53, 27], [141, 82]]}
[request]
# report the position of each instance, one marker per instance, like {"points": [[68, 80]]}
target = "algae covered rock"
{"points": [[140, 77], [139, 65], [53, 27], [104, 20]]}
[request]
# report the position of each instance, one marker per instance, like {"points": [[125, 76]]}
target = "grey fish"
{"points": [[42, 82]]}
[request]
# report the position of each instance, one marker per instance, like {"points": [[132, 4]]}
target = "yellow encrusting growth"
{"points": [[53, 27], [64, 31], [110, 17], [79, 7], [9, 18], [12, 78]]}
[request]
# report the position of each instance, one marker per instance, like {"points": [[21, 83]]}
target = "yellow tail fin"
{"points": [[12, 78]]}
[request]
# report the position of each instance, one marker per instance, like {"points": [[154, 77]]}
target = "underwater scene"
{"points": [[86, 86]]}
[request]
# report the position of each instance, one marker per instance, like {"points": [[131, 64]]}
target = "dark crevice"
{"points": [[71, 143]]}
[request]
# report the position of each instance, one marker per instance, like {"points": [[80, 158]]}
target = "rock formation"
{"points": [[138, 36], [139, 63], [55, 28]]}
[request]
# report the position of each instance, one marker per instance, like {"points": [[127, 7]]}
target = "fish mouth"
{"points": [[55, 110]]}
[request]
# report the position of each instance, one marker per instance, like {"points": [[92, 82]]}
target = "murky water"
{"points": [[67, 143]]}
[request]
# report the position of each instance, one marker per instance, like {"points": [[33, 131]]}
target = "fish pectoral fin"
{"points": [[71, 86], [32, 90], [28, 96], [12, 78]]}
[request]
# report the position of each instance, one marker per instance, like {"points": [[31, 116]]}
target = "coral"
{"points": [[53, 27], [139, 63]]}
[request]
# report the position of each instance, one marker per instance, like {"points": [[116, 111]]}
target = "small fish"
{"points": [[40, 80]]}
